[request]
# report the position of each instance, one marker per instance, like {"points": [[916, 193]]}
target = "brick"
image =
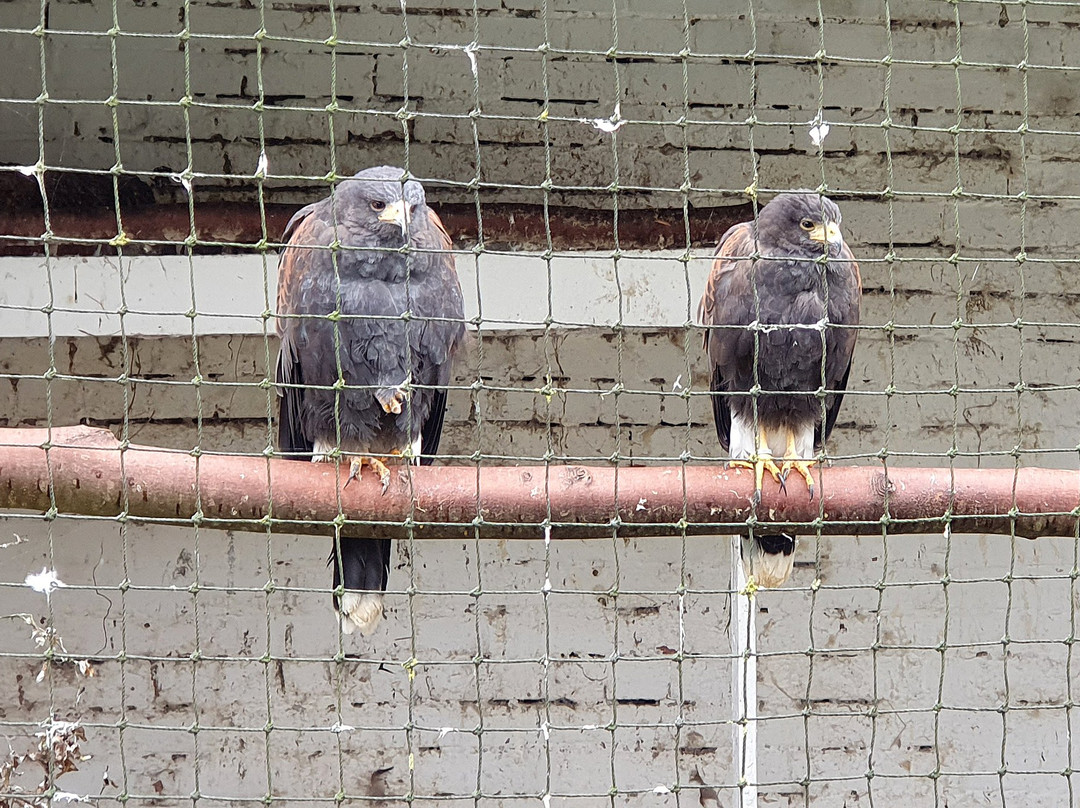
{"points": [[147, 156], [668, 444], [923, 88], [300, 71], [787, 85], [719, 128], [913, 11], [1054, 15], [1046, 91], [915, 221], [1049, 46], [924, 41], [20, 126], [166, 83], [516, 443], [852, 87], [93, 81], [630, 408], [504, 356], [589, 7], [998, 90], [850, 40], [724, 35], [492, 127], [87, 17], [991, 42], [782, 39], [22, 14], [724, 169], [505, 28], [570, 79], [238, 20], [442, 77], [842, 172], [435, 31], [594, 167], [515, 406], [223, 436], [438, 7], [572, 31]]}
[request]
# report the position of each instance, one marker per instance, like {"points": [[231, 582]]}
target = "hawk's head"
{"points": [[377, 203], [800, 223]]}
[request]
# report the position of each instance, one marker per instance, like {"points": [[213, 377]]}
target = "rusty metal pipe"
{"points": [[85, 471]]}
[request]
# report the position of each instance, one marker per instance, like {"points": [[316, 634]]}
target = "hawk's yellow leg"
{"points": [[793, 461], [759, 463]]}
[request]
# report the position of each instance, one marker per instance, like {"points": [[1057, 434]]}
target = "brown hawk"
{"points": [[368, 333], [785, 291]]}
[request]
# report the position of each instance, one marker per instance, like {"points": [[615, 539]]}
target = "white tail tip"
{"points": [[769, 570], [360, 611]]}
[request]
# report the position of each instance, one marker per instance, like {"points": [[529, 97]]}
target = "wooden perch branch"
{"points": [[248, 493]]}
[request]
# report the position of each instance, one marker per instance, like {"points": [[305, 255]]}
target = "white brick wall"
{"points": [[864, 707], [225, 70]]}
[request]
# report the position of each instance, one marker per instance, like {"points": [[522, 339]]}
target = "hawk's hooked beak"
{"points": [[828, 232], [397, 213]]}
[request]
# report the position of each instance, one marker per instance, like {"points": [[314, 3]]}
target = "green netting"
{"points": [[587, 156]]}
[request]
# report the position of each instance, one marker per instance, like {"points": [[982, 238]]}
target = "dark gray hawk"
{"points": [[802, 320], [341, 322]]}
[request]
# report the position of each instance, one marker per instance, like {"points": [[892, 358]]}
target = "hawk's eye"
{"points": [[378, 205], [807, 224]]}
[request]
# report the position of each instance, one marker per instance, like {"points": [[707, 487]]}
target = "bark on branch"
{"points": [[84, 471]]}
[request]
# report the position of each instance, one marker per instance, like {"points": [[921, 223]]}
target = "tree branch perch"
{"points": [[91, 475]]}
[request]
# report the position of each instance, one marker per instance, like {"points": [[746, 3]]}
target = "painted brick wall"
{"points": [[820, 676], [686, 118], [880, 656]]}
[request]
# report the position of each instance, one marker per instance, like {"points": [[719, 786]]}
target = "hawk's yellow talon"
{"points": [[759, 465], [793, 461], [380, 468]]}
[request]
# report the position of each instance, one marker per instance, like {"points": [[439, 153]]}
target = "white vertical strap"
{"points": [[743, 682]]}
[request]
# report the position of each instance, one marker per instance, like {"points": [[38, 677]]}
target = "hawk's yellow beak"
{"points": [[396, 213], [828, 232]]}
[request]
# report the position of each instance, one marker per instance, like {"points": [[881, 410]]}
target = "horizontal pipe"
{"points": [[84, 471]]}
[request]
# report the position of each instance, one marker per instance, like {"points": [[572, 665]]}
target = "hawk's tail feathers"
{"points": [[769, 559], [360, 611], [362, 573]]}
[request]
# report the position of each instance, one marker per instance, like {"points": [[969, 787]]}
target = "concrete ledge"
{"points": [[227, 294]]}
